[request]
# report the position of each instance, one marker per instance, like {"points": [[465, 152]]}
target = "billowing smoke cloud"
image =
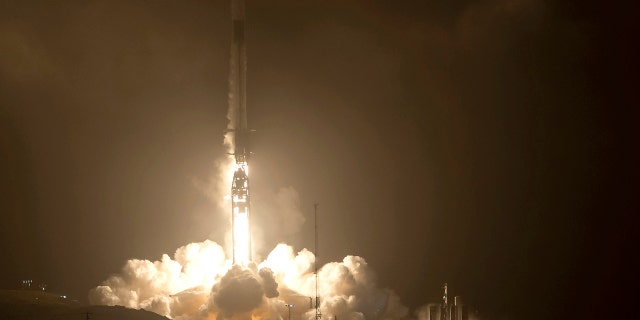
{"points": [[158, 286], [200, 283], [348, 289], [239, 291], [269, 284]]}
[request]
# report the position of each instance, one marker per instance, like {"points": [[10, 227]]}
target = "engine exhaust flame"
{"points": [[240, 219]]}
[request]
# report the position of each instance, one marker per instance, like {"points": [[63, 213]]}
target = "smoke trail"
{"points": [[234, 95], [233, 102]]}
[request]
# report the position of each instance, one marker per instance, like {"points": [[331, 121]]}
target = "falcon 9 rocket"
{"points": [[240, 196]]}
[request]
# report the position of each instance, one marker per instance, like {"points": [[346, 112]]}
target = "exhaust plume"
{"points": [[199, 283], [239, 291]]}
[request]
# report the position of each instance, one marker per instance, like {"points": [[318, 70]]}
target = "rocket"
{"points": [[240, 195], [238, 81]]}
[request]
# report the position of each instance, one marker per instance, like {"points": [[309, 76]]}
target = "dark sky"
{"points": [[489, 144]]}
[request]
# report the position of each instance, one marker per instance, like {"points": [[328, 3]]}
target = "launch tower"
{"points": [[240, 195], [445, 303]]}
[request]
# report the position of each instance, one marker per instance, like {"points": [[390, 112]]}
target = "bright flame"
{"points": [[241, 237], [240, 220]]}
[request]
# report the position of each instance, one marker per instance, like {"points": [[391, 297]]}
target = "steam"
{"points": [[269, 283], [151, 285], [200, 283], [239, 291], [348, 289]]}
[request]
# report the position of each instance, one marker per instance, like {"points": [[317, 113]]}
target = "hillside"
{"points": [[37, 305]]}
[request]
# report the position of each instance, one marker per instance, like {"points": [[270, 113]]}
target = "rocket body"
{"points": [[240, 195], [238, 82]]}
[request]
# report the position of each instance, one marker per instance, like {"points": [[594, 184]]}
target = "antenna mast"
{"points": [[315, 263]]}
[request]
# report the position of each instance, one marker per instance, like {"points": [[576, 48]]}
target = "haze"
{"points": [[485, 144]]}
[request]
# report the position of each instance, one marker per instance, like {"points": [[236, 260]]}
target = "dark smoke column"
{"points": [[240, 196]]}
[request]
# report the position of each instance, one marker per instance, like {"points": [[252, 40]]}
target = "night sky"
{"points": [[487, 144]]}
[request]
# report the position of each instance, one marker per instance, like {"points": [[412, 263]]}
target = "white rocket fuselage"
{"points": [[240, 195]]}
